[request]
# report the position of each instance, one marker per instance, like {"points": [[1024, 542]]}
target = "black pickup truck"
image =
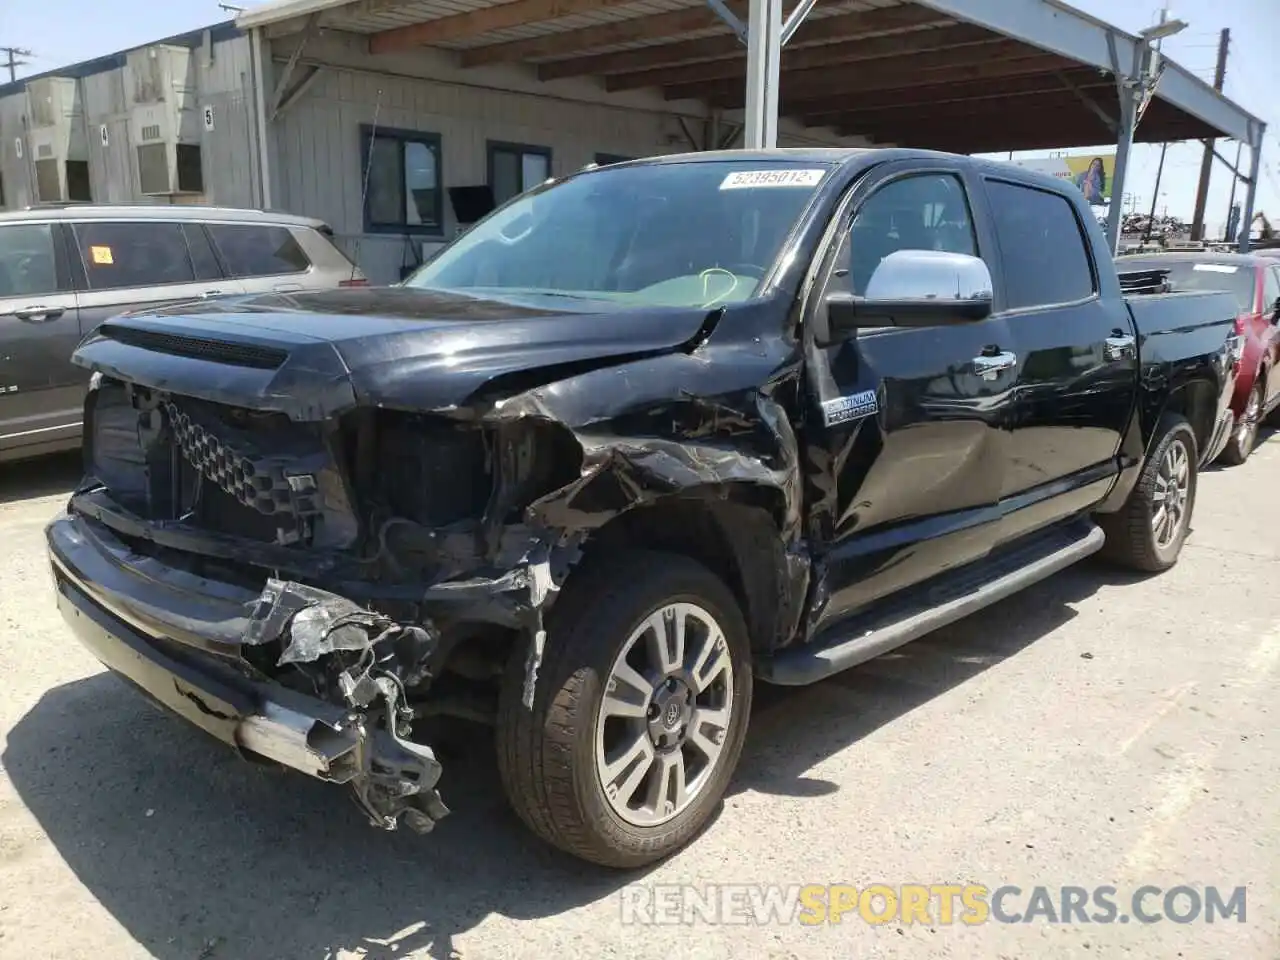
{"points": [[644, 435]]}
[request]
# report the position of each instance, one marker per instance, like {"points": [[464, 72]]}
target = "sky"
{"points": [[59, 32]]}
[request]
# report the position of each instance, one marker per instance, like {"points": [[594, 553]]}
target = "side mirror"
{"points": [[914, 288]]}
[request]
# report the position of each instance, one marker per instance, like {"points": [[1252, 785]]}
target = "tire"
{"points": [[547, 756], [1132, 540], [1244, 435]]}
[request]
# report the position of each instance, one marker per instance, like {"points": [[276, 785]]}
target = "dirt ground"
{"points": [[1098, 729]]}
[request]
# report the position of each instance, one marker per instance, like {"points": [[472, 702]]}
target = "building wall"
{"points": [[314, 146], [15, 171], [228, 151], [316, 143], [318, 147], [223, 77]]}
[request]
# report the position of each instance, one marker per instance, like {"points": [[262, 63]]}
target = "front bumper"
{"points": [[176, 637]]}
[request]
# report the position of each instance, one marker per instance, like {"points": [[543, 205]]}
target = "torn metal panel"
{"points": [[312, 623]]}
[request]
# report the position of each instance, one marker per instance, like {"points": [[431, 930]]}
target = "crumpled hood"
{"points": [[312, 355]]}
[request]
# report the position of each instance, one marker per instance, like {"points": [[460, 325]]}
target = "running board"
{"points": [[951, 597]]}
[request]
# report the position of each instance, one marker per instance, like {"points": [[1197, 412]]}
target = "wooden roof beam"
{"points": [[813, 30], [970, 97], [800, 91], [476, 23], [654, 27], [944, 39], [976, 112]]}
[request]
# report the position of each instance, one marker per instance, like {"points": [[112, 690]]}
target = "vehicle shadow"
{"points": [[795, 728], [40, 477], [196, 853]]}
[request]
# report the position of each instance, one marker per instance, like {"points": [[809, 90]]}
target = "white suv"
{"points": [[63, 270]]}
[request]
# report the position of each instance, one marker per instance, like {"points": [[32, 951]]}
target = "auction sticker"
{"points": [[101, 255], [746, 179]]}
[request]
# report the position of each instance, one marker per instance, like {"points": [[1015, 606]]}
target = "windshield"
{"points": [[694, 234], [1234, 278]]}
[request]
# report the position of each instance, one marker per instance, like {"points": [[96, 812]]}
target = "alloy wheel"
{"points": [[1172, 492], [665, 715], [1247, 430]]}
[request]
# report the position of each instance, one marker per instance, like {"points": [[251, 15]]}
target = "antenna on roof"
{"points": [[364, 187], [230, 8]]}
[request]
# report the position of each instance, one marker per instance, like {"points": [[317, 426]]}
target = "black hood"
{"points": [[313, 354]]}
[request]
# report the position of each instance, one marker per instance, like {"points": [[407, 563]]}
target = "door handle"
{"points": [[287, 288], [39, 314], [990, 365], [211, 293], [1118, 346]]}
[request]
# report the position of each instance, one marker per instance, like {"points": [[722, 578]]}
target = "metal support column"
{"points": [[764, 56], [1124, 140], [1251, 188], [260, 62], [1136, 85]]}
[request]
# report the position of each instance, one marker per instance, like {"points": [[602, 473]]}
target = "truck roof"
{"points": [[842, 156]]}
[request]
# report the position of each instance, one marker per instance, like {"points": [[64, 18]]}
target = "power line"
{"points": [[12, 62]]}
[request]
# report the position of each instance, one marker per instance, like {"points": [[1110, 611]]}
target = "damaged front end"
{"points": [[355, 555], [351, 562]]}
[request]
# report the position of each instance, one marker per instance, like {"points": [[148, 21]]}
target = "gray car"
{"points": [[63, 270]]}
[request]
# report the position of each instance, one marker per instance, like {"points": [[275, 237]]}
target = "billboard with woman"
{"points": [[1092, 174]]}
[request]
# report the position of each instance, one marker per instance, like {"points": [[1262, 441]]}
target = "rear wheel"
{"points": [[1147, 533], [639, 713], [1245, 433]]}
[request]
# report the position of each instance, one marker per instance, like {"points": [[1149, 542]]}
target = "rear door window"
{"points": [[28, 264], [249, 250], [1043, 249], [1270, 289], [133, 254]]}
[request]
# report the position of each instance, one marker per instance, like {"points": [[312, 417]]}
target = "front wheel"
{"points": [[1147, 533], [639, 713]]}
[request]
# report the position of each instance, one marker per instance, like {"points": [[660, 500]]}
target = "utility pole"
{"points": [[1235, 179], [1151, 220], [12, 62], [1206, 164]]}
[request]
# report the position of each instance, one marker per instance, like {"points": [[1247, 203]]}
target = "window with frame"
{"points": [[515, 168], [1043, 249], [405, 191], [250, 250], [28, 264], [924, 211], [142, 253], [1270, 290]]}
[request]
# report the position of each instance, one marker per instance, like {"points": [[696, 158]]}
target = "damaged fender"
{"points": [[653, 429]]}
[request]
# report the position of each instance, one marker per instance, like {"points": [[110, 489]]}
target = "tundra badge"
{"points": [[853, 407]]}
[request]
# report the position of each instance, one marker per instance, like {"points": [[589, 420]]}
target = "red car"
{"points": [[1255, 281]]}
